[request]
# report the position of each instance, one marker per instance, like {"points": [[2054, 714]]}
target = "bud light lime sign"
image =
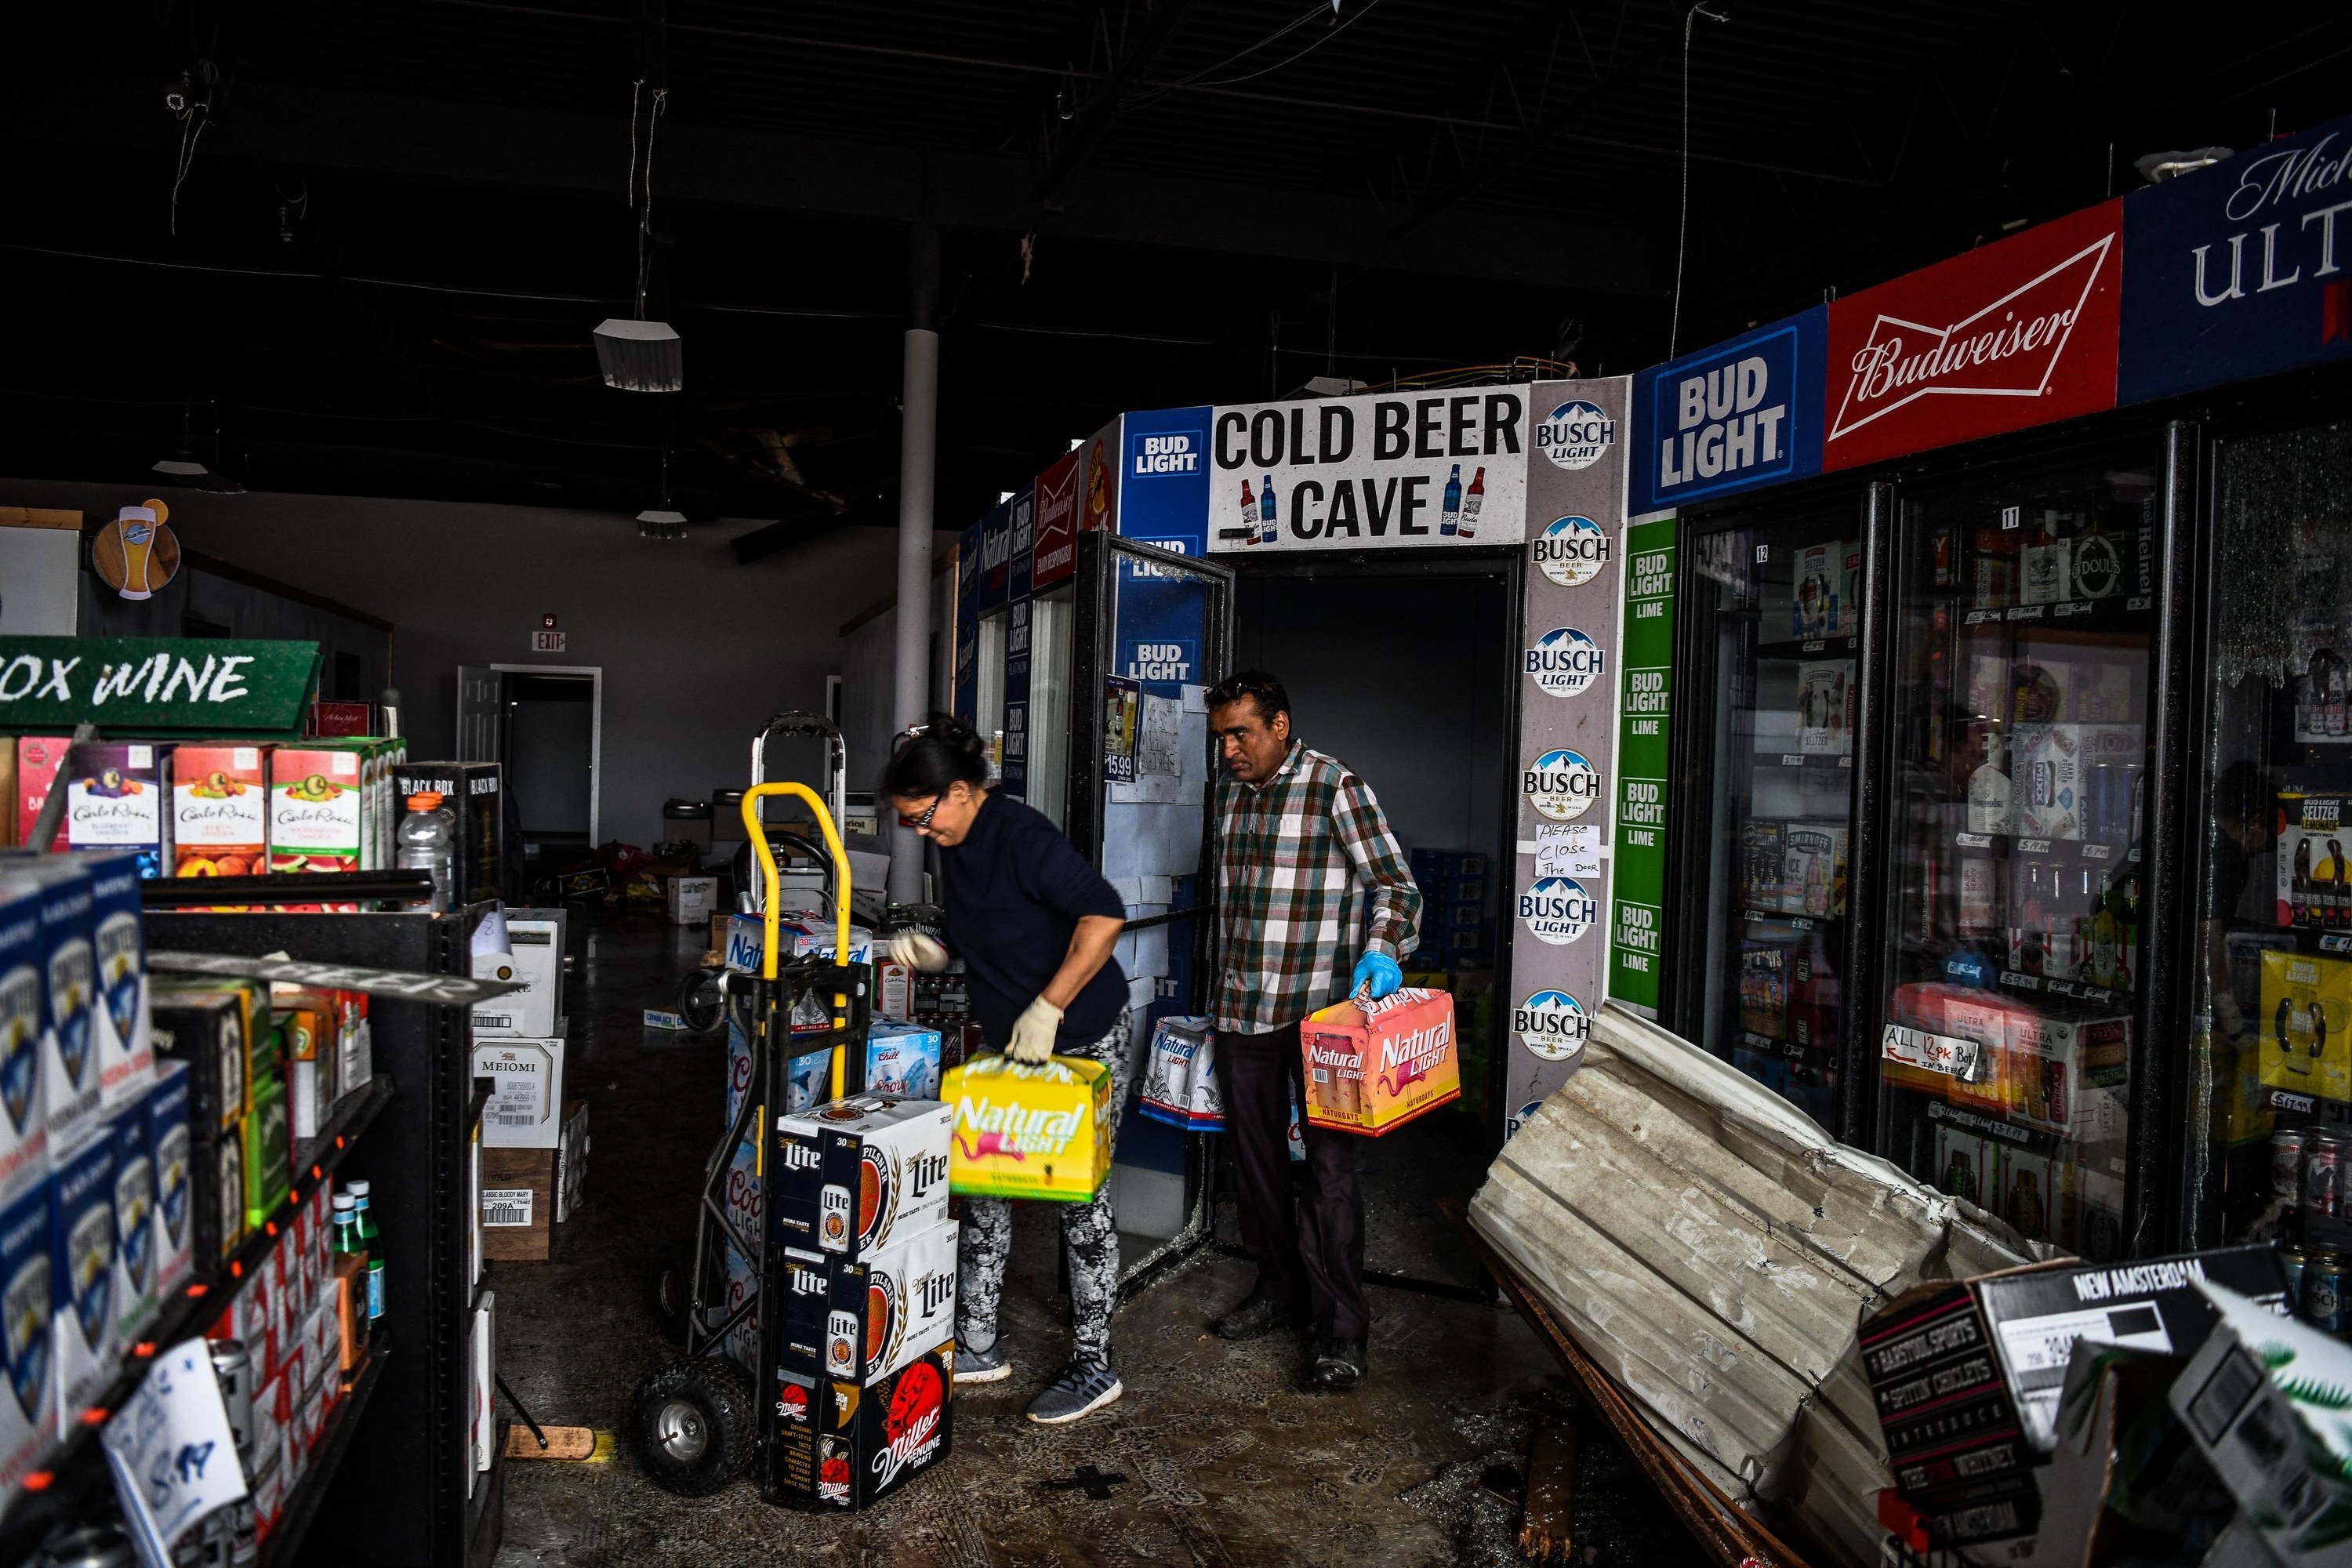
{"points": [[1562, 786], [1559, 909], [1571, 550], [1551, 1024], [1576, 433], [1564, 661], [1744, 413]]}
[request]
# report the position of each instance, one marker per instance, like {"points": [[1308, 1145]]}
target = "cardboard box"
{"points": [[118, 796], [523, 1110], [2314, 874], [317, 816], [312, 1058], [535, 941], [24, 1040], [39, 760], [2307, 1024], [861, 1322], [836, 1444], [902, 1058], [136, 1298], [2047, 781], [1813, 880], [473, 793], [29, 1420], [1024, 1132], [1764, 989], [518, 1204], [220, 810], [851, 1177], [268, 1151], [81, 1260], [1371, 1069], [2069, 1074], [572, 1161], [1813, 608], [70, 1089], [1825, 701], [483, 1343], [206, 1030], [689, 901], [119, 1017], [171, 1149]]}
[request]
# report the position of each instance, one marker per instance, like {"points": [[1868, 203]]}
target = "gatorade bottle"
{"points": [[428, 842], [370, 1242]]}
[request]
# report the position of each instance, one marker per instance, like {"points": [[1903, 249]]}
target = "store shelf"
{"points": [[75, 1467], [1798, 923], [2042, 985], [302, 1503], [1801, 760], [2084, 614], [2085, 850], [1809, 647]]}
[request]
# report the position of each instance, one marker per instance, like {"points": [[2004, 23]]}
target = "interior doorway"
{"points": [[545, 725]]}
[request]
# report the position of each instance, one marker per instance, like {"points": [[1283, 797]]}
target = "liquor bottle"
{"points": [[1449, 519], [1249, 514], [2025, 937], [2047, 576], [364, 1222], [1266, 530], [1990, 798], [1939, 686], [1472, 499]]}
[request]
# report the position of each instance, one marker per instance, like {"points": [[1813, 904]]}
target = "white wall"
{"points": [[695, 651]]}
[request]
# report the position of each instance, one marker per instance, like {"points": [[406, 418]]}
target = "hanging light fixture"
{"points": [[660, 521], [181, 463], [638, 356]]}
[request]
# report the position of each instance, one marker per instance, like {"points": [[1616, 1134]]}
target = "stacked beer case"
{"points": [[861, 1293]]}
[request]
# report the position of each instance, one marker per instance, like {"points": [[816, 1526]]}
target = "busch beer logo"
{"points": [[2009, 348], [1520, 1118], [1562, 785], [1559, 909], [1565, 661], [1575, 435], [1571, 550], [1553, 1024]]}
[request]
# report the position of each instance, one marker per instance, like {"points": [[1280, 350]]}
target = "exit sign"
{"points": [[546, 642]]}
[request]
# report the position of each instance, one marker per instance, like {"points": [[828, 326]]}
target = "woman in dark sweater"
{"points": [[1035, 925]]}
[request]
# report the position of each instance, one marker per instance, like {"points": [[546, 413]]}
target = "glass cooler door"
{"points": [[1776, 621], [2023, 610]]}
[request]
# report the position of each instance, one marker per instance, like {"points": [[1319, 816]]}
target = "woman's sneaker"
{"points": [[990, 1365], [1078, 1391]]}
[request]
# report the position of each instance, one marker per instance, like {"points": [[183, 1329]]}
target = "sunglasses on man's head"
{"points": [[921, 823]]}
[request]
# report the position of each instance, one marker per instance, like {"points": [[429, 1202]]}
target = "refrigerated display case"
{"points": [[2009, 958], [2271, 950], [1771, 639]]}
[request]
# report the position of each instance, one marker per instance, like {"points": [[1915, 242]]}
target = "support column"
{"points": [[918, 460]]}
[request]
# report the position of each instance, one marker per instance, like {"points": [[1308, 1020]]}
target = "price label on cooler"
{"points": [[1954, 1056]]}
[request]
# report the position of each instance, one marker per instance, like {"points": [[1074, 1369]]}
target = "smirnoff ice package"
{"points": [[220, 811], [29, 1414], [134, 1221], [851, 1176], [837, 1445], [126, 1052], [24, 1039], [117, 798], [854, 1322], [82, 1265], [172, 1149]]}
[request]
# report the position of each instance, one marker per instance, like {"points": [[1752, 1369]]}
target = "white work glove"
{"points": [[1034, 1033], [2226, 1013], [917, 951]]}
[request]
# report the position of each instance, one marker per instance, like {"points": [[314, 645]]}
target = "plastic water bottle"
{"points": [[372, 1240], [428, 842]]}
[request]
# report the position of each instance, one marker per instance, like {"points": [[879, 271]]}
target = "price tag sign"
{"points": [[1954, 1056], [170, 1448]]}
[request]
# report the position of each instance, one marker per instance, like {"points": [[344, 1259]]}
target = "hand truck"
{"points": [[695, 1422]]}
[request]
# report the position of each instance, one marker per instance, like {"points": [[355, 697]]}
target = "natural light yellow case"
{"points": [[1040, 1131]]}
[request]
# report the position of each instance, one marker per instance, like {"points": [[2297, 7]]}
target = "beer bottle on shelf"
{"points": [[370, 1242]]}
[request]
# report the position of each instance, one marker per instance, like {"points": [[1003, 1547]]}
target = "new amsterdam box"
{"points": [[852, 1177], [837, 1445]]}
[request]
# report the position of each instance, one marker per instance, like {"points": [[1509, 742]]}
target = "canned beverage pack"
{"points": [[852, 1175], [2288, 1147], [840, 1446], [2323, 1292], [857, 1322]]}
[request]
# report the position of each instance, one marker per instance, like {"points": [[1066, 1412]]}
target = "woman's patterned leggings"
{"points": [[1089, 1234]]}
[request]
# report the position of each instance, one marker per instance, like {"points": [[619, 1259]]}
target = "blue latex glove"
{"points": [[1379, 973]]}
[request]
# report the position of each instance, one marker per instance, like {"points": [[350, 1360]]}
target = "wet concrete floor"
{"points": [[1225, 1460]]}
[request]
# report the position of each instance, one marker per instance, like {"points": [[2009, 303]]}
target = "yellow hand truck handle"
{"points": [[753, 830]]}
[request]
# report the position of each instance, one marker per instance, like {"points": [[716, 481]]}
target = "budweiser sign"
{"points": [[2012, 335]]}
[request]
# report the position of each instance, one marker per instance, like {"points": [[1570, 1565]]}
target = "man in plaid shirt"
{"points": [[1308, 877]]}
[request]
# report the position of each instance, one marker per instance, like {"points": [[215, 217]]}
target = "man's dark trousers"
{"points": [[1309, 1246]]}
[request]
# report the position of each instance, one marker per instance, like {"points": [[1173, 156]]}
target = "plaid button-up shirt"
{"points": [[1301, 860]]}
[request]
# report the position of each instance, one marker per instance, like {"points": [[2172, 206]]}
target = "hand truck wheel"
{"points": [[700, 1000], [694, 1423], [674, 1292]]}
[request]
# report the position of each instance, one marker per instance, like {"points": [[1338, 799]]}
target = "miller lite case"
{"points": [[859, 1323], [836, 1444], [24, 1033], [170, 1146], [27, 1306], [81, 1273], [134, 1222], [126, 1055], [852, 1177]]}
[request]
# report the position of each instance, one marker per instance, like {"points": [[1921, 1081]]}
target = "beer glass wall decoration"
{"points": [[137, 554]]}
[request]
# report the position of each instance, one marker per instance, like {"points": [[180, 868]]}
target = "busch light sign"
{"points": [[1576, 433], [1559, 909], [1565, 661], [1552, 1024], [1741, 414], [1562, 786]]}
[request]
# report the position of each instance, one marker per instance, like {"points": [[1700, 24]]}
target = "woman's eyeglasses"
{"points": [[919, 823]]}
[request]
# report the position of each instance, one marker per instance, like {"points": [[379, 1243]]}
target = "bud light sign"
{"points": [[1742, 413], [1163, 482], [1571, 550], [1565, 661], [1562, 785], [1171, 659], [1553, 1024], [1559, 909], [1575, 435]]}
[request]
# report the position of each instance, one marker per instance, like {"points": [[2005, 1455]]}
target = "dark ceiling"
{"points": [[368, 260]]}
